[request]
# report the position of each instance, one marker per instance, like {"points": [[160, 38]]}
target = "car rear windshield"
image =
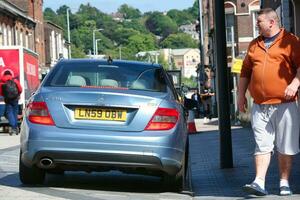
{"points": [[135, 77]]}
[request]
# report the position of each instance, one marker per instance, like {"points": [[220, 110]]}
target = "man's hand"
{"points": [[291, 90], [242, 103]]}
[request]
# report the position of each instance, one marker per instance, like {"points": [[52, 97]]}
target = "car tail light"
{"points": [[163, 119], [38, 113]]}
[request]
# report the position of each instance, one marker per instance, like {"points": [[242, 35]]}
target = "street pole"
{"points": [[223, 88], [97, 46], [94, 43], [234, 78], [200, 44], [120, 52], [94, 48], [69, 36]]}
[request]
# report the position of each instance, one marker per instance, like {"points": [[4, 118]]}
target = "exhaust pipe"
{"points": [[46, 163]]}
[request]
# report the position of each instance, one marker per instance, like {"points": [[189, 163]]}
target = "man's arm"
{"points": [[292, 88], [242, 101]]}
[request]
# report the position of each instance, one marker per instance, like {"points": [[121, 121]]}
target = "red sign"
{"points": [[31, 71], [9, 60]]}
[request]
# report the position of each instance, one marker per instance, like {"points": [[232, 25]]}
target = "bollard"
{"points": [[191, 122]]}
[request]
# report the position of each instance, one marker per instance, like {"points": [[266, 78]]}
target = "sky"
{"points": [[109, 6]]}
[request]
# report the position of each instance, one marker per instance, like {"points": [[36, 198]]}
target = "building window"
{"points": [[229, 22], [9, 35], [26, 40], [21, 38]]}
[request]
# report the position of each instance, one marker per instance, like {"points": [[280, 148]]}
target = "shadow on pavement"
{"points": [[210, 180]]}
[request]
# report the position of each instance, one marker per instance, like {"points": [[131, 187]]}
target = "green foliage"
{"points": [[160, 24], [141, 42], [180, 17], [138, 32], [180, 40], [129, 12], [77, 52], [190, 82]]}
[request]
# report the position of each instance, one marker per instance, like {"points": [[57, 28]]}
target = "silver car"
{"points": [[101, 115]]}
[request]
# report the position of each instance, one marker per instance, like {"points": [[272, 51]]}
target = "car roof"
{"points": [[110, 62]]}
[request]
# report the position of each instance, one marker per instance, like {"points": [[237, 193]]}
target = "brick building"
{"points": [[54, 45], [33, 9], [16, 28]]}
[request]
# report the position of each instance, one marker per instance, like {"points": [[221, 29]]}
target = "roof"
{"points": [[180, 52], [52, 24], [13, 9]]}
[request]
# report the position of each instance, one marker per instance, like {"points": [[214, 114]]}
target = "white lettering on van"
{"points": [[31, 69], [2, 64]]}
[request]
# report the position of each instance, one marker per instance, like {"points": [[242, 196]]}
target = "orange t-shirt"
{"points": [[271, 70]]}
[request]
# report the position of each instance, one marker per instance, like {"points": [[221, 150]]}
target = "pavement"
{"points": [[209, 180]]}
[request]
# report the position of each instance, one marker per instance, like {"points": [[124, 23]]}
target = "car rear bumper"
{"points": [[160, 153]]}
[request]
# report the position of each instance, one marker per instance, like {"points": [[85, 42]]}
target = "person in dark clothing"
{"points": [[207, 93], [11, 104], [206, 96], [196, 97]]}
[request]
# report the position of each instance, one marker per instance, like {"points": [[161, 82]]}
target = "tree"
{"points": [[160, 24], [77, 52], [180, 40], [141, 42], [135, 24], [129, 12], [121, 35], [180, 17]]}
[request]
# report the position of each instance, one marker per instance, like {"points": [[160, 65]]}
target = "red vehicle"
{"points": [[23, 63]]}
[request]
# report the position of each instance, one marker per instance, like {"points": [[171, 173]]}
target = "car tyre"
{"points": [[177, 183], [30, 175]]}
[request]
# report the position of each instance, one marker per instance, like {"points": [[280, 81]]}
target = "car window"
{"points": [[135, 77]]}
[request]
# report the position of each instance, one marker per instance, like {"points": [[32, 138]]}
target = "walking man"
{"points": [[271, 72], [11, 89], [207, 93]]}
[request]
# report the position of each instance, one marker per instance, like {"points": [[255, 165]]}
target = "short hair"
{"points": [[7, 72], [271, 13]]}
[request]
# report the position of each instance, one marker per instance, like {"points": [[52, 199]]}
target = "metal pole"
{"points": [[94, 47], [120, 52], [234, 92], [223, 92], [200, 44], [96, 43], [69, 36]]}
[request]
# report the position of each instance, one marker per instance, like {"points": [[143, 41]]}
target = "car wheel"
{"points": [[177, 183], [30, 175]]}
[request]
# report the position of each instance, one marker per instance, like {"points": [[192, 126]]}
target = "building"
{"points": [[240, 22], [186, 60], [54, 45], [33, 9], [16, 28], [191, 30]]}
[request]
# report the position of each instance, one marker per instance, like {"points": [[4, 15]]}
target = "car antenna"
{"points": [[109, 60]]}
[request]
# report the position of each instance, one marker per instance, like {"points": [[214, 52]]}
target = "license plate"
{"points": [[100, 114]]}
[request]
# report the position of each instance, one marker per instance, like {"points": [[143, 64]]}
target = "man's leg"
{"points": [[285, 166], [262, 162], [10, 116]]}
